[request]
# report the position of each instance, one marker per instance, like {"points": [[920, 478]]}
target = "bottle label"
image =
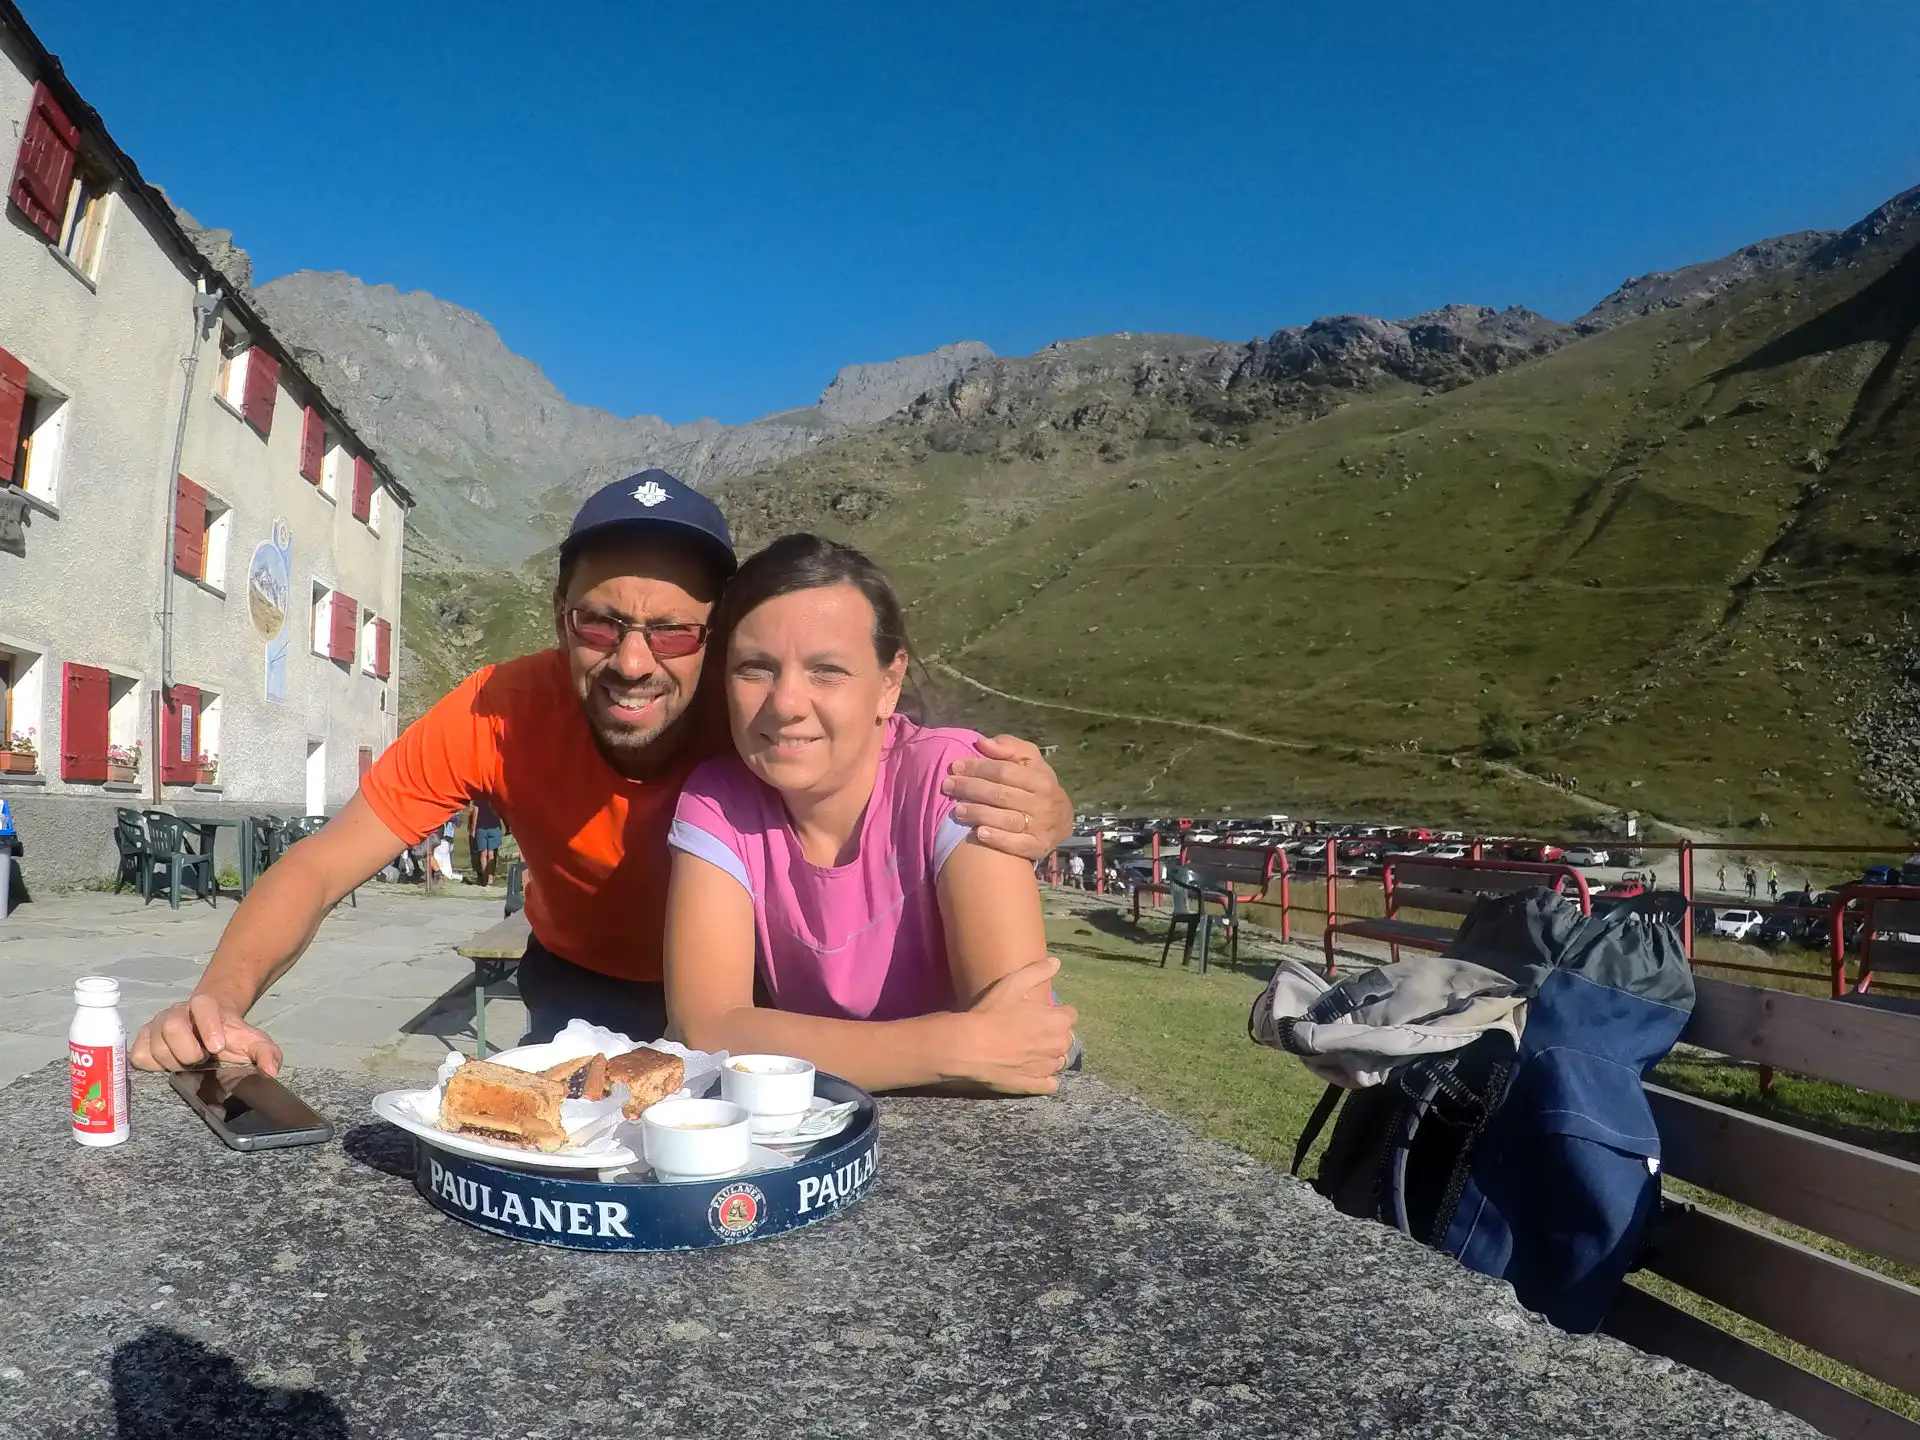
{"points": [[91, 1070]]}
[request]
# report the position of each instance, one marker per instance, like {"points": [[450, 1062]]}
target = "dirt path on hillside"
{"points": [[1225, 732]]}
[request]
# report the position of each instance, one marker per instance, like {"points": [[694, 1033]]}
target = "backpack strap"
{"points": [[1316, 1122]]}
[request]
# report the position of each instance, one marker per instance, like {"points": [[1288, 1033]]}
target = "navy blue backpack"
{"points": [[1536, 1164]]}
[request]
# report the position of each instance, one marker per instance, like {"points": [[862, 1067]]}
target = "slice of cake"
{"points": [[585, 1078], [649, 1075], [499, 1103]]}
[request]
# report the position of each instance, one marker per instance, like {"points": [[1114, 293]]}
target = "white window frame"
{"points": [[126, 700], [336, 471], [376, 508], [230, 379], [321, 630], [210, 727], [214, 545], [27, 707], [83, 230], [369, 642], [47, 442]]}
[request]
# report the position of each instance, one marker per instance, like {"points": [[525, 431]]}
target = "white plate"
{"points": [[401, 1107], [814, 1128]]}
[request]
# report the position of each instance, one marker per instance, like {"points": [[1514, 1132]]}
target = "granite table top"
{"points": [[1079, 1265]]}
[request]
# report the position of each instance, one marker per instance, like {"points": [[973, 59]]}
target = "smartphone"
{"points": [[250, 1110]]}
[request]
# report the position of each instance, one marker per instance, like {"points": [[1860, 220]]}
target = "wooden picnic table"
{"points": [[496, 953], [1075, 1265]]}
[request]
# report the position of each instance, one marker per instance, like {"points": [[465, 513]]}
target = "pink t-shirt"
{"points": [[859, 941]]}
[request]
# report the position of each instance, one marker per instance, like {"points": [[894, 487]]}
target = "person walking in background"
{"points": [[1077, 872], [484, 836], [1773, 883], [1723, 877], [1753, 883]]}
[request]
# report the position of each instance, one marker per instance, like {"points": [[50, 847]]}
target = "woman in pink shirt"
{"points": [[824, 901]]}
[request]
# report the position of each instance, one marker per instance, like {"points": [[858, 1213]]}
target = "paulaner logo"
{"points": [[561, 1217], [837, 1186]]}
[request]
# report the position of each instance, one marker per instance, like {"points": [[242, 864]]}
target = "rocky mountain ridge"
{"points": [[497, 454]]}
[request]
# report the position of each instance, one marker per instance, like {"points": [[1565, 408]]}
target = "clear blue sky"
{"points": [[692, 209]]}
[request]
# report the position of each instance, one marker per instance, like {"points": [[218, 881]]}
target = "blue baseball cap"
{"points": [[653, 498]]}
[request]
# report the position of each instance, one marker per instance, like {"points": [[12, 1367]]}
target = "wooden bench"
{"points": [[1840, 1191], [1419, 882], [496, 953]]}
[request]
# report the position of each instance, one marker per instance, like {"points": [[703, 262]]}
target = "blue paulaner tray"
{"points": [[550, 1208]]}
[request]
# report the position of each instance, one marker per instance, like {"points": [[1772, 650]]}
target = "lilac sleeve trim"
{"points": [[710, 848], [950, 834]]}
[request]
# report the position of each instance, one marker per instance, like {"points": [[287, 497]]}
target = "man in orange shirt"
{"points": [[582, 749]]}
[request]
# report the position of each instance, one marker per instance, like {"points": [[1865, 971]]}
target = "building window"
{"points": [[33, 423], [21, 733], [85, 223], [201, 525], [209, 738], [377, 509], [230, 383], [339, 466], [376, 645], [248, 380], [99, 723], [336, 624]]}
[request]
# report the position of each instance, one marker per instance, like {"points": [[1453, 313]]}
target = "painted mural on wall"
{"points": [[269, 590]]}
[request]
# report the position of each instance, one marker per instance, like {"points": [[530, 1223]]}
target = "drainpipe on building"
{"points": [[206, 311]]}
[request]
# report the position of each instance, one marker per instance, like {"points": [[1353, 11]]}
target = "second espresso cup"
{"points": [[694, 1139], [776, 1091]]}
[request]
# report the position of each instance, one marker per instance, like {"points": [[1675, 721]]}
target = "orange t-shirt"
{"points": [[594, 842]]}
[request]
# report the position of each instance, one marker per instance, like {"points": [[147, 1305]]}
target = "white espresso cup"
{"points": [[694, 1139], [776, 1091]]}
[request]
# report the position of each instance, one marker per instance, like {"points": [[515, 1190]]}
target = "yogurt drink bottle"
{"points": [[97, 1063]]}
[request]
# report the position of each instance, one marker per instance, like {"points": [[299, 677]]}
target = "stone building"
{"points": [[199, 558]]}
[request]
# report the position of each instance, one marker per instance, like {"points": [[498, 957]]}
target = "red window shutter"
{"points": [[263, 384], [13, 403], [382, 648], [83, 723], [362, 488], [180, 736], [189, 528], [346, 627], [313, 445], [43, 175]]}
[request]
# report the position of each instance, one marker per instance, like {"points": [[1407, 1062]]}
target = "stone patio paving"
{"points": [[369, 995]]}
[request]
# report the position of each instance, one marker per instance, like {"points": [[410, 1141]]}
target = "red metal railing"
{"points": [[1853, 900]]}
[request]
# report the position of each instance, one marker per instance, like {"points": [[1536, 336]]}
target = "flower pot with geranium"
{"points": [[21, 753], [209, 767], [123, 762]]}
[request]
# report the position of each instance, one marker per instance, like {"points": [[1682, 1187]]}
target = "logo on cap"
{"points": [[651, 494]]}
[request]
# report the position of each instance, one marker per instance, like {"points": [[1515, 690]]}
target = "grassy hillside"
{"points": [[1640, 564]]}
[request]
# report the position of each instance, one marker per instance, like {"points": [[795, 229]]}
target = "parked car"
{"points": [[1736, 924], [1880, 875], [1624, 888], [1585, 855], [1451, 852], [1531, 851]]}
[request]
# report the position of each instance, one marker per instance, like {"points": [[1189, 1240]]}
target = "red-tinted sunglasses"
{"points": [[666, 639]]}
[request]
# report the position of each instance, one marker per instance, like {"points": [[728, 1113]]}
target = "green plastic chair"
{"points": [[170, 847]]}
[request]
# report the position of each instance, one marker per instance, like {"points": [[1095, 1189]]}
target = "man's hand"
{"points": [[203, 1028], [1011, 797], [1021, 1039]]}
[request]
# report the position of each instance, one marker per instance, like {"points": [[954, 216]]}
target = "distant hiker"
{"points": [[1077, 873], [1753, 883], [1723, 879], [1773, 884], [485, 832]]}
